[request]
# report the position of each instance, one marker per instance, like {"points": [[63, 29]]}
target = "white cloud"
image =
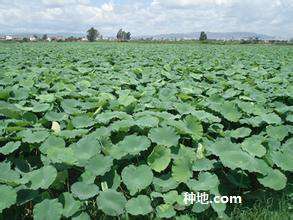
{"points": [[144, 17], [184, 3], [107, 7]]}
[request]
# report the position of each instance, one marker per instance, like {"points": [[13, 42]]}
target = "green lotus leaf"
{"points": [[62, 155], [229, 111], [239, 133], [170, 197], [46, 98], [72, 133], [283, 160], [181, 170], [30, 117], [70, 106], [83, 190], [164, 183], [10, 147], [140, 205], [147, 121], [86, 148], [21, 93], [199, 207], [131, 145], [203, 165], [55, 116], [206, 182], [206, 116], [111, 202], [289, 118], [220, 208], [82, 121], [8, 197], [194, 126], [274, 180], [137, 178], [106, 117], [126, 100], [165, 136], [71, 206], [99, 165], [160, 158], [48, 209], [41, 178], [165, 211], [123, 125], [253, 145], [252, 108], [35, 137], [82, 216], [277, 132], [52, 142], [222, 146], [40, 107], [7, 175], [271, 118], [244, 161]]}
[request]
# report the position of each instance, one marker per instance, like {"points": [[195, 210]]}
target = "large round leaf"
{"points": [[71, 206], [42, 178], [194, 126], [111, 202], [131, 144], [84, 191], [8, 197], [10, 147], [83, 121], [140, 205], [160, 158], [274, 180], [137, 178], [99, 165], [47, 210], [165, 136]]}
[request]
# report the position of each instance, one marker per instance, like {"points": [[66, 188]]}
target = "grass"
{"points": [[269, 209]]}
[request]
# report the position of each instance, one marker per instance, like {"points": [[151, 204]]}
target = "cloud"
{"points": [[184, 3], [273, 17], [108, 7]]}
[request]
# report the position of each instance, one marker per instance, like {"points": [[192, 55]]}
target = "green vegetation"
{"points": [[104, 130]]}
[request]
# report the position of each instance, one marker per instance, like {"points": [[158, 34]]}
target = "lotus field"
{"points": [[122, 130]]}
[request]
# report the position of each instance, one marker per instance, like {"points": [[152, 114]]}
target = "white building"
{"points": [[8, 38], [33, 38]]}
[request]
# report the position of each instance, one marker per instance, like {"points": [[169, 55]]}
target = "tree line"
{"points": [[93, 35], [123, 36]]}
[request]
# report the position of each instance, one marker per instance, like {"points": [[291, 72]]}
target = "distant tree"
{"points": [[36, 37], [92, 34], [128, 36], [44, 37], [203, 36], [120, 35], [123, 35], [25, 39]]}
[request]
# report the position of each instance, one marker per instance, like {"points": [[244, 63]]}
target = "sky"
{"points": [[147, 17]]}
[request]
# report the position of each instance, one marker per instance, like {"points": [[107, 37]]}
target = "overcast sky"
{"points": [[144, 17]]}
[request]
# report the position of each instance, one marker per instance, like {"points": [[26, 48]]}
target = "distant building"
{"points": [[49, 39], [84, 39], [33, 38], [8, 37]]}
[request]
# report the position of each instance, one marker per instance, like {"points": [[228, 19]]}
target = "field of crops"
{"points": [[123, 130]]}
